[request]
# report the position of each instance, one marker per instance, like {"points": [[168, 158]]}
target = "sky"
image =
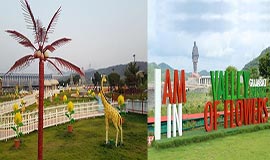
{"points": [[226, 32], [103, 33]]}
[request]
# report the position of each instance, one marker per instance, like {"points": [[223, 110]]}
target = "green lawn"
{"points": [[58, 100], [247, 146], [86, 141], [195, 104], [10, 97]]}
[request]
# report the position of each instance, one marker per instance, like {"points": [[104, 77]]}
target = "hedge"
{"points": [[205, 136]]}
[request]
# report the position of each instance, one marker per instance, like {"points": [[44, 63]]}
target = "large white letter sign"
{"points": [[157, 104]]}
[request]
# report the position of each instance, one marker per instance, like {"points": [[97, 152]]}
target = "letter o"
{"points": [[209, 106]]}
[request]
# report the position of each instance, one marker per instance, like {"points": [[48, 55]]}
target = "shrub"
{"points": [[179, 141]]}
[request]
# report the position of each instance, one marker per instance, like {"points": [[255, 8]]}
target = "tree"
{"points": [[230, 70], [96, 79], [76, 79], [130, 73], [264, 65], [121, 83], [41, 53], [64, 83], [254, 73], [113, 79], [141, 79]]}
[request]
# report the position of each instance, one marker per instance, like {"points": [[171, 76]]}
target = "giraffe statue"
{"points": [[111, 114]]}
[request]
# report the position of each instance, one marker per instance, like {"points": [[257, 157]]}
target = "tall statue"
{"points": [[71, 83], [83, 80], [195, 57]]}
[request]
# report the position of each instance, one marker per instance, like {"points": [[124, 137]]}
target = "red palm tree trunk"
{"points": [[40, 109]]}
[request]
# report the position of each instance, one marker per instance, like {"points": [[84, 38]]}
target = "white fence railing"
{"points": [[52, 117], [7, 107], [56, 115], [136, 106]]}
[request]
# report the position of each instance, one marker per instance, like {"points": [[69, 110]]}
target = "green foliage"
{"points": [[141, 80], [122, 109], [76, 79], [114, 79], [139, 96], [96, 79], [20, 124], [72, 120], [72, 112], [254, 73], [220, 107], [121, 83], [230, 70], [264, 66], [205, 136], [130, 73], [16, 130], [14, 112], [163, 66], [210, 92], [189, 124], [255, 61], [7, 97], [67, 115], [58, 100], [268, 96], [195, 104]]}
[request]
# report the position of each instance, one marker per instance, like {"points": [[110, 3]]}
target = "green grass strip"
{"points": [[86, 142], [201, 135]]}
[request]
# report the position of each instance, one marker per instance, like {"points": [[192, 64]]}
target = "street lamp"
{"points": [[134, 57]]}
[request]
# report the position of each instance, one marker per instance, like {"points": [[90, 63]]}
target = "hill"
{"points": [[151, 70], [255, 61], [204, 73], [120, 69], [163, 66]]}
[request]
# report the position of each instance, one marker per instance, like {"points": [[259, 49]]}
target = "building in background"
{"points": [[1, 91], [26, 81]]}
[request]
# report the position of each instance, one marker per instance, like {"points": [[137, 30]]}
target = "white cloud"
{"points": [[245, 33], [226, 48]]}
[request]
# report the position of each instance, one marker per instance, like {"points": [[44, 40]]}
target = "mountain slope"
{"points": [[163, 66], [120, 69], [151, 70], [255, 61]]}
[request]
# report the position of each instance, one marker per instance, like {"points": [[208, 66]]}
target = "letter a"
{"points": [[167, 91]]}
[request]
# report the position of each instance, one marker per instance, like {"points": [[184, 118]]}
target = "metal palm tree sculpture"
{"points": [[41, 53]]}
